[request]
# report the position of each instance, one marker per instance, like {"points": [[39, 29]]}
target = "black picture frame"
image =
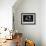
{"points": [[28, 18]]}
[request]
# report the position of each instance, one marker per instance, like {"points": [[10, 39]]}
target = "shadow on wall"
{"points": [[17, 4], [17, 18]]}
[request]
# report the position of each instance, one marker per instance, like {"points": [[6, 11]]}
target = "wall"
{"points": [[32, 32], [43, 22], [6, 13]]}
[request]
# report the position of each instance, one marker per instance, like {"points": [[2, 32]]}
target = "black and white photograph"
{"points": [[28, 18]]}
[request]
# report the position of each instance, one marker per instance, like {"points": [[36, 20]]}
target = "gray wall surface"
{"points": [[32, 32]]}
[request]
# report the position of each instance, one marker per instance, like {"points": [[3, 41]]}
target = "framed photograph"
{"points": [[28, 18]]}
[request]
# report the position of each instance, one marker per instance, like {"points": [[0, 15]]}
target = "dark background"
{"points": [[27, 18]]}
